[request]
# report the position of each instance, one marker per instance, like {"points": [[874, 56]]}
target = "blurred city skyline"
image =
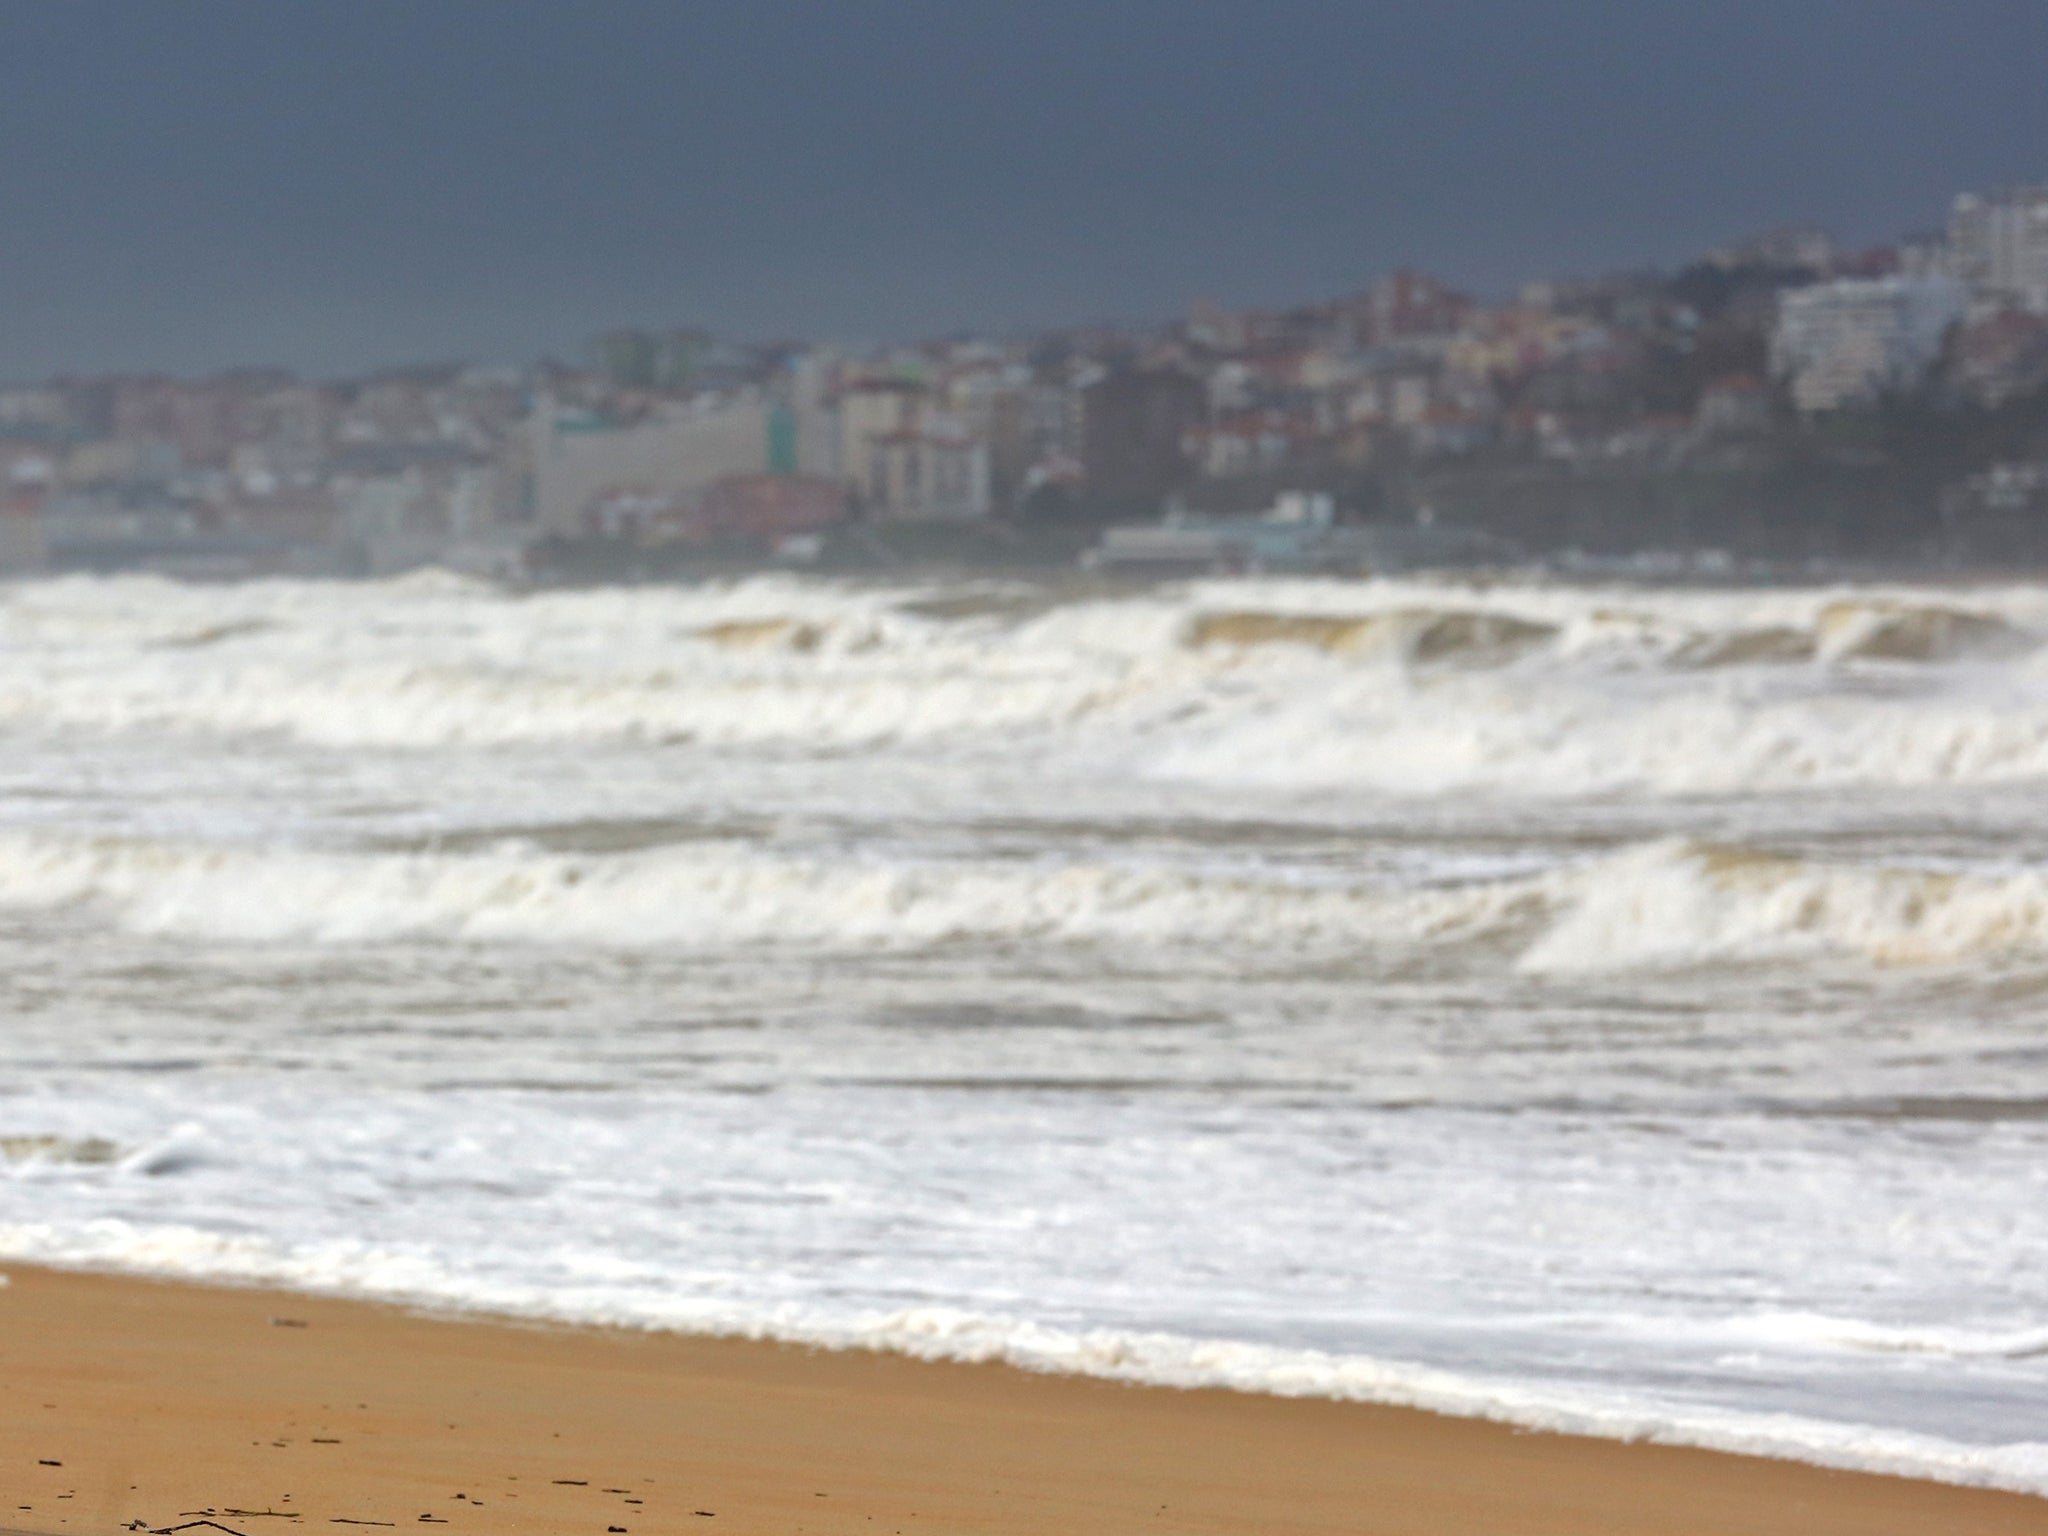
{"points": [[329, 188]]}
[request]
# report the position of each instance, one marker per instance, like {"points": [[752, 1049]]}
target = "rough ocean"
{"points": [[1614, 1009]]}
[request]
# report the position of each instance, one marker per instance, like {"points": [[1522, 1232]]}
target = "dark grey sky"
{"points": [[336, 183]]}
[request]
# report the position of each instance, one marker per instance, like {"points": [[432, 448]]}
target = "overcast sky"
{"points": [[336, 185]]}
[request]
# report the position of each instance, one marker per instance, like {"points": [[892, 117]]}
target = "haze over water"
{"points": [[1612, 1008]]}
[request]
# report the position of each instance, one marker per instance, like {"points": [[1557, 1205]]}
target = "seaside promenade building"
{"points": [[908, 458], [1850, 342], [580, 458]]}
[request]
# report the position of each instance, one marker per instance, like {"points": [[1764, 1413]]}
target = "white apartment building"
{"points": [[1846, 343], [583, 462], [578, 459], [415, 517], [1998, 244], [907, 459]]}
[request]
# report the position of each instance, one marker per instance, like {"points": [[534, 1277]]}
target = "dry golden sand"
{"points": [[162, 1402]]}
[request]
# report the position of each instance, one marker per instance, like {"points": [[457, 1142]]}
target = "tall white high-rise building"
{"points": [[1998, 244]]}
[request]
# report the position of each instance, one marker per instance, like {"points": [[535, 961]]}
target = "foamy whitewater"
{"points": [[1613, 1009]]}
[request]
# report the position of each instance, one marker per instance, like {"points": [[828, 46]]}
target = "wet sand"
{"points": [[125, 1400]]}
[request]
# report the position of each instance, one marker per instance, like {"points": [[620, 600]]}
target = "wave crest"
{"points": [[1373, 687], [1683, 903], [1668, 904], [1404, 634]]}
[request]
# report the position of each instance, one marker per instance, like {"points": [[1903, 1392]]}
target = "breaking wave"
{"points": [[710, 895], [1378, 688], [1667, 904], [1683, 903], [1879, 630], [1407, 635]]}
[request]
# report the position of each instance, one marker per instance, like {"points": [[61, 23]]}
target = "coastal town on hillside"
{"points": [[1783, 398]]}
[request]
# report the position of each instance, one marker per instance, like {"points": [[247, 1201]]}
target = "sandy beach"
{"points": [[128, 1400]]}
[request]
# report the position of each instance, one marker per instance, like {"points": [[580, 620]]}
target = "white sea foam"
{"points": [[1662, 904], [707, 896], [1387, 687], [1682, 903], [954, 1334]]}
